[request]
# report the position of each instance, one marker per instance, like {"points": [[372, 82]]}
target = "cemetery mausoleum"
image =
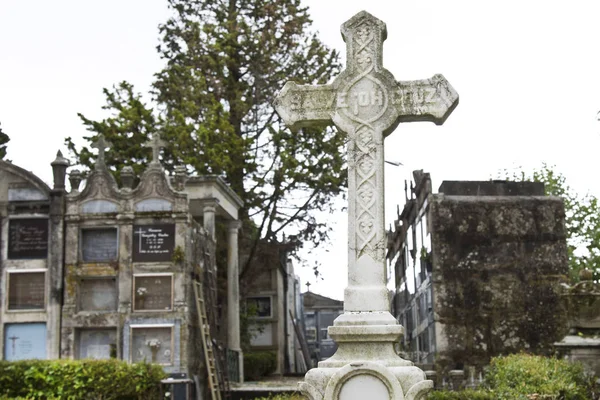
{"points": [[123, 271], [478, 268]]}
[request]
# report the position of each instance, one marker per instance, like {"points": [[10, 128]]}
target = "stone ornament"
{"points": [[367, 103]]}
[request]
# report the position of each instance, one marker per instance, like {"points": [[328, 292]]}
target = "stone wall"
{"points": [[497, 264]]}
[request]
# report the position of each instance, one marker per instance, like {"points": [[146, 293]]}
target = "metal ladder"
{"points": [[207, 344]]}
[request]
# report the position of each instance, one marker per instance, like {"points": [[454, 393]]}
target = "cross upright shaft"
{"points": [[367, 103]]}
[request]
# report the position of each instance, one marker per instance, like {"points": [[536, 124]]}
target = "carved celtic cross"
{"points": [[101, 144], [156, 143], [367, 103]]}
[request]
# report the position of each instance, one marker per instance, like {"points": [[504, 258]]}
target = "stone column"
{"points": [[233, 292], [209, 213]]}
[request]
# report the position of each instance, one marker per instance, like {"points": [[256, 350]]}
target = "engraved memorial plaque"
{"points": [[153, 292], [152, 344], [99, 244], [98, 294], [26, 290], [24, 341], [27, 238], [99, 344], [153, 242]]}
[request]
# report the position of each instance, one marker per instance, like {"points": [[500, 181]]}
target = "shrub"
{"points": [[527, 377], [519, 375], [80, 379], [462, 395], [258, 364]]}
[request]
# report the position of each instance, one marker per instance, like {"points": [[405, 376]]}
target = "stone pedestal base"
{"points": [[365, 365]]}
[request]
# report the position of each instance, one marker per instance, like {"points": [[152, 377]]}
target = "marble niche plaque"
{"points": [[153, 292], [27, 238], [262, 335], [98, 294], [26, 290], [152, 344], [153, 242], [99, 344], [24, 341], [99, 244]]}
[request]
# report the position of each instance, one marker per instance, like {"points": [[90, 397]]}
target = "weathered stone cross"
{"points": [[156, 143], [367, 103], [101, 144]]}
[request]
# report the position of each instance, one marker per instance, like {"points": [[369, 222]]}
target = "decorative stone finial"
{"points": [[101, 144], [59, 170], [156, 143], [127, 177], [180, 177], [75, 179]]}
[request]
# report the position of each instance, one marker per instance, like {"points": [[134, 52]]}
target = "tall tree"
{"points": [[4, 139], [582, 218], [225, 60]]}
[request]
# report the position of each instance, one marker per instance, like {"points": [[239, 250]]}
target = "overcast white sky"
{"points": [[527, 72]]}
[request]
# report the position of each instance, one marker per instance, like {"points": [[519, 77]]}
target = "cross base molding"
{"points": [[365, 363]]}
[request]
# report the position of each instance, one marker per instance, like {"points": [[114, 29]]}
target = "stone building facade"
{"points": [[477, 269], [31, 240], [128, 284], [273, 296], [319, 314], [124, 288]]}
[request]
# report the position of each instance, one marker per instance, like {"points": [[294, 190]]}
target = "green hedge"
{"points": [[80, 379], [258, 364], [524, 377], [519, 375]]}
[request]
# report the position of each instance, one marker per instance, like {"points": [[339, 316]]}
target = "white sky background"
{"points": [[527, 72]]}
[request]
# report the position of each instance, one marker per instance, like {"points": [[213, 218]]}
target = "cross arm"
{"points": [[301, 105], [431, 99]]}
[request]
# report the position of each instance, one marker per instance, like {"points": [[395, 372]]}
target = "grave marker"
{"points": [[153, 243], [101, 144], [27, 238], [26, 290], [366, 102]]}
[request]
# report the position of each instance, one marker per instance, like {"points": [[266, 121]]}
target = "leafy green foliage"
{"points": [[523, 376], [224, 62], [4, 139], [129, 126], [258, 364], [80, 379], [516, 376], [462, 395], [582, 218]]}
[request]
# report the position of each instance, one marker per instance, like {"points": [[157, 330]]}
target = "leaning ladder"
{"points": [[207, 344], [218, 349]]}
